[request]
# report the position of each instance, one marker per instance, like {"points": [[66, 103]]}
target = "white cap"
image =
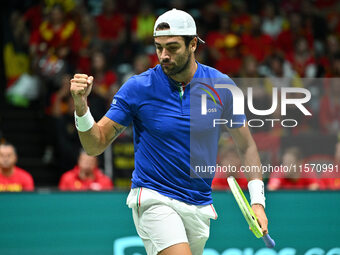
{"points": [[180, 22]]}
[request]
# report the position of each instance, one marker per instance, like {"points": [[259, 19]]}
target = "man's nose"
{"points": [[165, 54]]}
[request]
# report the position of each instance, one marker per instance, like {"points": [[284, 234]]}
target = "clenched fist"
{"points": [[81, 86]]}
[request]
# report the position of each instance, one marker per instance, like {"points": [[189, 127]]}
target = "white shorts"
{"points": [[162, 221]]}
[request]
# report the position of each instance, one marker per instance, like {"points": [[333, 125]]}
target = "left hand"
{"points": [[261, 217]]}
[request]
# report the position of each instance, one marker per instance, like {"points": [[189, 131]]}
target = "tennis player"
{"points": [[171, 210]]}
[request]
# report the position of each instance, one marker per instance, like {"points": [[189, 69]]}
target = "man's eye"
{"points": [[172, 48], [158, 48]]}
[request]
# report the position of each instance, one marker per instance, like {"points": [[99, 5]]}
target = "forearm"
{"points": [[94, 137], [251, 160], [93, 140]]}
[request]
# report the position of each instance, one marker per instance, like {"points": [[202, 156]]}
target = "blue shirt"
{"points": [[171, 136]]}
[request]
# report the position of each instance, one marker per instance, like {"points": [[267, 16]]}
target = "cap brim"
{"points": [[200, 40]]}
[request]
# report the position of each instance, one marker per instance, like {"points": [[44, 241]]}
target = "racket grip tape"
{"points": [[270, 243]]}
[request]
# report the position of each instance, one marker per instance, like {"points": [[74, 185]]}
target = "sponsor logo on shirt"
{"points": [[204, 109]]}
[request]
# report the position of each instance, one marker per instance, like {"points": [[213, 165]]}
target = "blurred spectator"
{"points": [[209, 17], [142, 26], [331, 179], [104, 85], [256, 43], [249, 67], [141, 63], [333, 21], [261, 100], [314, 22], [230, 61], [15, 48], [33, 16], [77, 11], [332, 45], [111, 29], [286, 39], [279, 73], [223, 48], [291, 177], [277, 67], [228, 158], [59, 99], [58, 107], [327, 61], [272, 24], [334, 70], [329, 115], [302, 59], [13, 178], [55, 44], [22, 88], [241, 21], [216, 40], [85, 176], [251, 78], [89, 43]]}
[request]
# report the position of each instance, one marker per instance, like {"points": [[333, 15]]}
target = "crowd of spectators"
{"points": [[85, 175], [280, 43]]}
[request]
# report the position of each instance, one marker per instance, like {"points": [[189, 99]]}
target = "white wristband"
{"points": [[256, 191], [85, 122]]}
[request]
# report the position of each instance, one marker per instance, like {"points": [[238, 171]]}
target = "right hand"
{"points": [[81, 86]]}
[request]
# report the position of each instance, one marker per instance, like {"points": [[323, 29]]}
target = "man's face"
{"points": [[87, 163], [289, 160], [172, 54], [8, 157]]}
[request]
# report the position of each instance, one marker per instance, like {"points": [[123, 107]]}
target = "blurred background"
{"points": [[288, 43]]}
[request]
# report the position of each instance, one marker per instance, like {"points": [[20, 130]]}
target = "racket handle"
{"points": [[270, 243]]}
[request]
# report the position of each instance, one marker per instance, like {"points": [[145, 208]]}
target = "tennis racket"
{"points": [[248, 213]]}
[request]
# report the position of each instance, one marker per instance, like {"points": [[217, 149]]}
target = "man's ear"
{"points": [[193, 44]]}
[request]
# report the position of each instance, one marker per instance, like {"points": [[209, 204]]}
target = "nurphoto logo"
{"points": [[278, 94]]}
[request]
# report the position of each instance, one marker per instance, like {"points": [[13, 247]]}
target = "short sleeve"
{"points": [[124, 103]]}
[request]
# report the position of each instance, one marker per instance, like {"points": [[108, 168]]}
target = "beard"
{"points": [[173, 69]]}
